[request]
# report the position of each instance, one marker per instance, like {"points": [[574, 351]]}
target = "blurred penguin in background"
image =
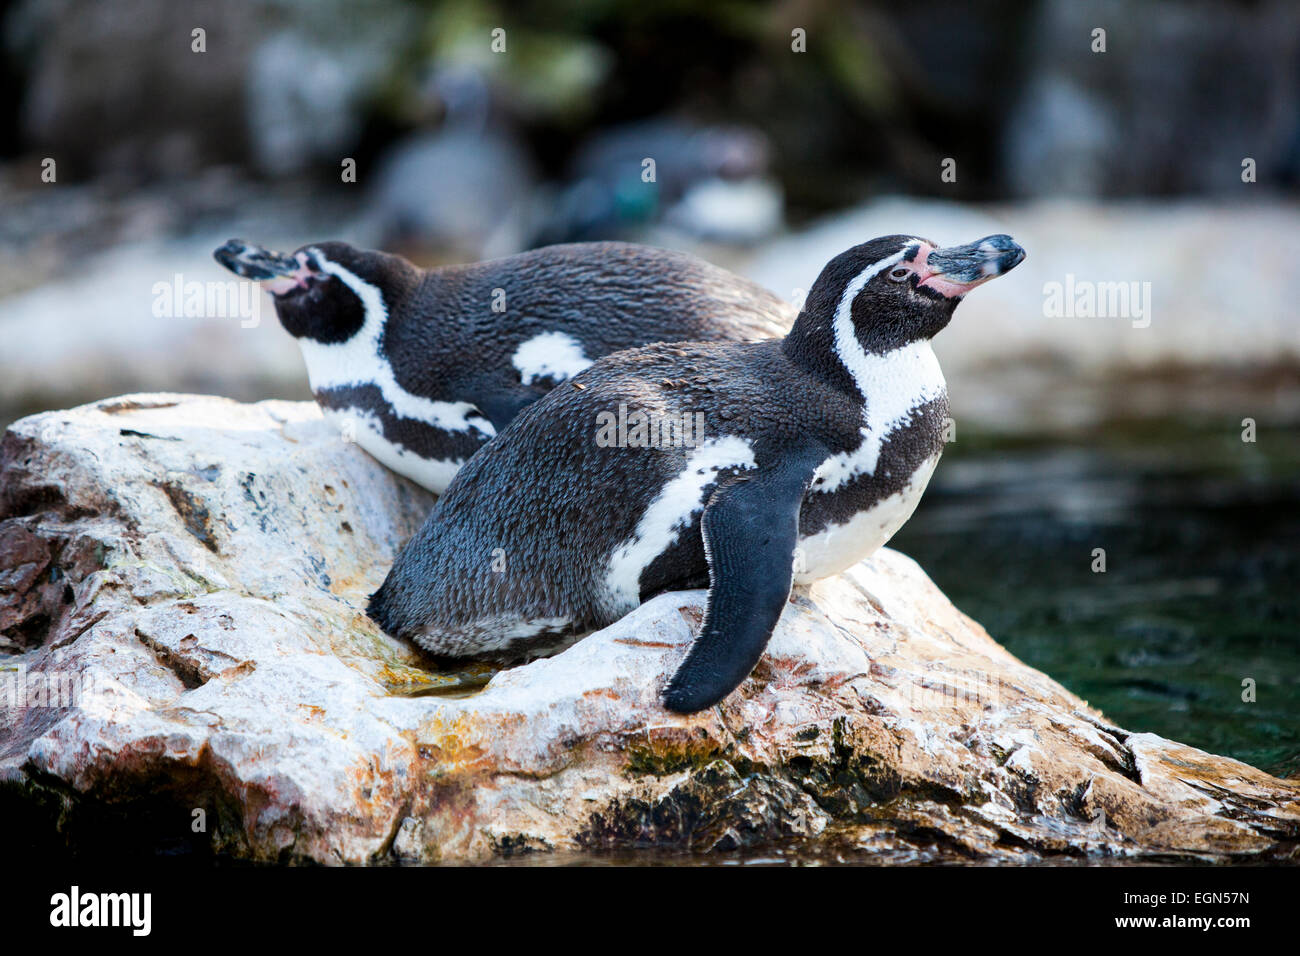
{"points": [[461, 191], [711, 182]]}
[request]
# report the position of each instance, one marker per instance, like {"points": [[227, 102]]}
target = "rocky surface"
{"points": [[181, 582]]}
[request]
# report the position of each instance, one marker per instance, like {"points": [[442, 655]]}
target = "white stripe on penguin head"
{"points": [[846, 340], [358, 361], [892, 385]]}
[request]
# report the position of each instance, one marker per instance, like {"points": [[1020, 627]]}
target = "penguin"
{"points": [[422, 367], [713, 182], [751, 467]]}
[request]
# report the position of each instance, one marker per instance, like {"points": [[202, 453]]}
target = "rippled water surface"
{"points": [[1201, 591]]}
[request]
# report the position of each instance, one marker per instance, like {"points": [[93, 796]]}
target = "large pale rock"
{"points": [[194, 570]]}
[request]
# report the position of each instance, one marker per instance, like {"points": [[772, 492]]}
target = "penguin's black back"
{"points": [[577, 490], [608, 296]]}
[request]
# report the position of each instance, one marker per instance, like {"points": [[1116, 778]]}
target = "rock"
{"points": [[181, 584]]}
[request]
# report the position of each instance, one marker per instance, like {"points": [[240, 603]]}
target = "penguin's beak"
{"points": [[277, 272], [955, 270]]}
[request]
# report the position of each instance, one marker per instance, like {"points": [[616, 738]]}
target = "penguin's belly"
{"points": [[367, 430], [839, 546], [421, 438]]}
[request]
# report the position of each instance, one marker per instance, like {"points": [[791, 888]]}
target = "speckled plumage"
{"points": [[424, 366], [543, 531]]}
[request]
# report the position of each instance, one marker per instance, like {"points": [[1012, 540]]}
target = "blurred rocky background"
{"points": [[781, 133]]}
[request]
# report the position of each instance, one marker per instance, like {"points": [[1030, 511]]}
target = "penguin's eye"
{"points": [[898, 275]]}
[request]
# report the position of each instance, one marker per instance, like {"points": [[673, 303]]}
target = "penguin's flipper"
{"points": [[500, 408], [750, 530]]}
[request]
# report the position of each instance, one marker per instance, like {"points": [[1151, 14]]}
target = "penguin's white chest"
{"points": [[840, 546], [896, 386], [367, 431], [357, 364]]}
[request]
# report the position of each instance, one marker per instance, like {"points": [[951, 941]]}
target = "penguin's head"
{"points": [[325, 291], [896, 290]]}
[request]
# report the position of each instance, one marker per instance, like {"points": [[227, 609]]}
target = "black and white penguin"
{"points": [[421, 367], [814, 451]]}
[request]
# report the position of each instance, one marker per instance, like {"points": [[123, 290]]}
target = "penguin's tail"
{"points": [[378, 608]]}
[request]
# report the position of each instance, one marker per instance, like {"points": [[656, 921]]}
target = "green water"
{"points": [[1201, 591]]}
